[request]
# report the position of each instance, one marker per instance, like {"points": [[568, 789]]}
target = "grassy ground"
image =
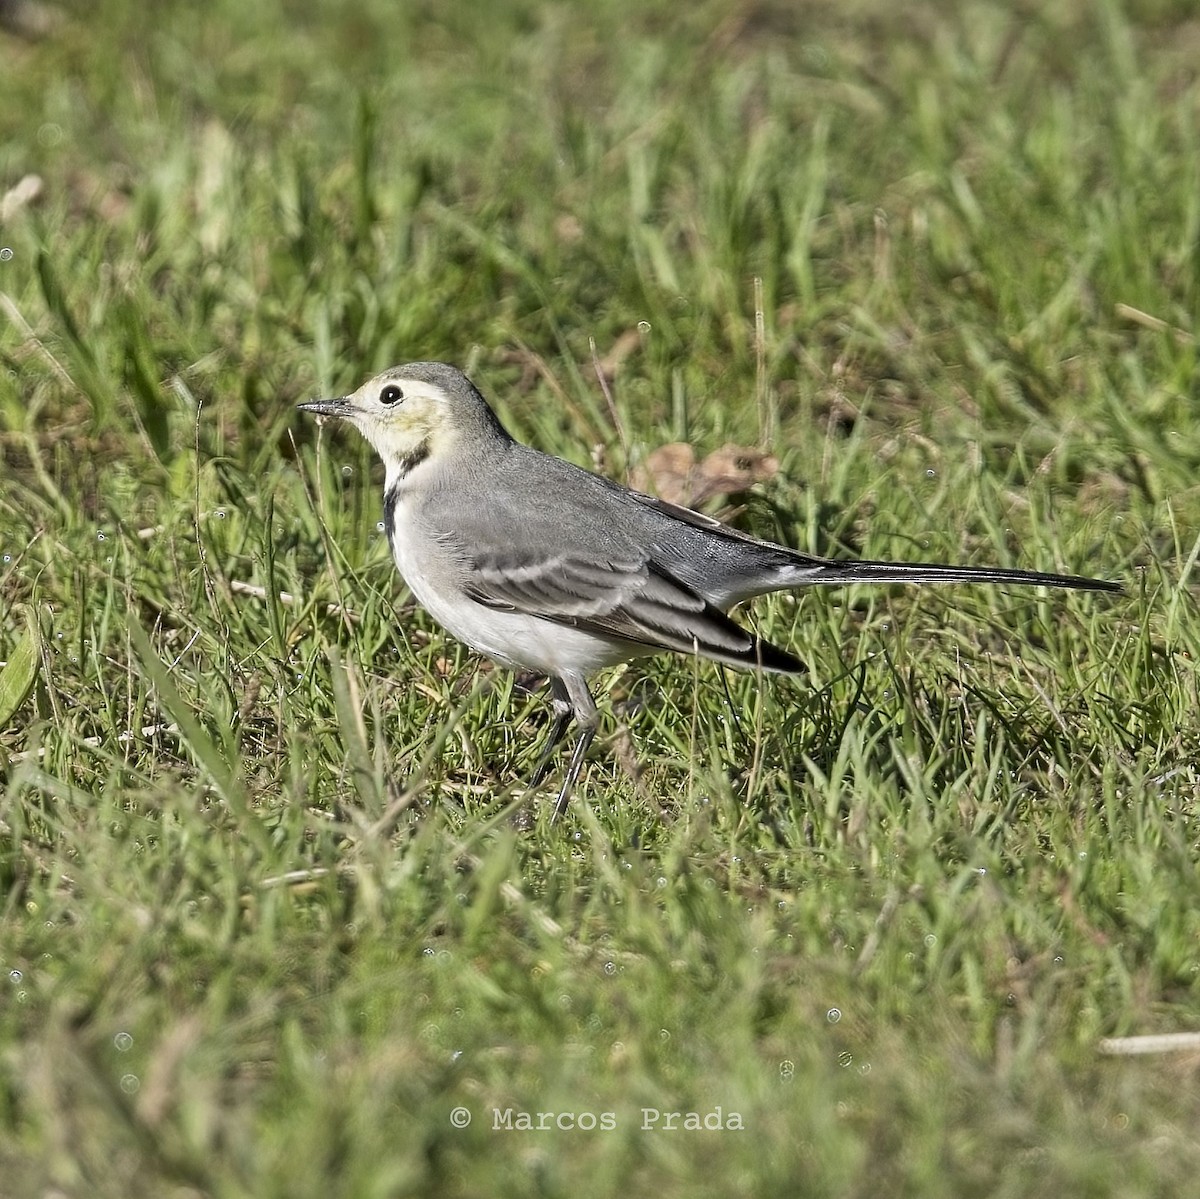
{"points": [[267, 922]]}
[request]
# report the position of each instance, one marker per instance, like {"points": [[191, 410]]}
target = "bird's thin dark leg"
{"points": [[586, 734], [584, 710], [560, 704]]}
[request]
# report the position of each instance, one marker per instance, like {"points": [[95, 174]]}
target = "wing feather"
{"points": [[630, 599]]}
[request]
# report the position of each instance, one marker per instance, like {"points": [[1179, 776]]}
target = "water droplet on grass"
{"points": [[123, 1042], [833, 1015]]}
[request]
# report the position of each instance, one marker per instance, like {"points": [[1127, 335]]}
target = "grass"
{"points": [[267, 921]]}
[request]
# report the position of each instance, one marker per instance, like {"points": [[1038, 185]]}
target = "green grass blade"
{"points": [[18, 675]]}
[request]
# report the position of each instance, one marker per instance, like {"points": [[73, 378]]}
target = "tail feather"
{"points": [[926, 572]]}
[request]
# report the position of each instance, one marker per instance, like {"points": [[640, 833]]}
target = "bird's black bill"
{"points": [[926, 572], [338, 407]]}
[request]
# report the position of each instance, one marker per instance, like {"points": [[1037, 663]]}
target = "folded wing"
{"points": [[631, 599]]}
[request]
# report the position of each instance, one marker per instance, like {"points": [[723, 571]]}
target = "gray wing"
{"points": [[628, 598]]}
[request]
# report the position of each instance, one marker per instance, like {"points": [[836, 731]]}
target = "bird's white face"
{"points": [[402, 417]]}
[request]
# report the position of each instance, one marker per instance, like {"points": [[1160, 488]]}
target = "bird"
{"points": [[543, 566]]}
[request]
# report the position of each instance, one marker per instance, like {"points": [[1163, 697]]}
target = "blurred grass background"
{"points": [[266, 919]]}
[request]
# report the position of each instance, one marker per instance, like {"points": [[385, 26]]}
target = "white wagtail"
{"points": [[544, 566]]}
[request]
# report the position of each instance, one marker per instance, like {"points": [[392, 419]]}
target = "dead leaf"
{"points": [[731, 470], [672, 473], [666, 471]]}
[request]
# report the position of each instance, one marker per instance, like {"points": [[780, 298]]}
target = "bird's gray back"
{"points": [[534, 504]]}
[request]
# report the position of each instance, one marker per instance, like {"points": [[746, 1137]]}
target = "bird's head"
{"points": [[414, 412]]}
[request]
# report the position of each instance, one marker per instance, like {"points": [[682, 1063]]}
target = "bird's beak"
{"points": [[339, 407]]}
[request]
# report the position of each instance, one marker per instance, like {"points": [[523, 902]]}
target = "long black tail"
{"points": [[927, 572]]}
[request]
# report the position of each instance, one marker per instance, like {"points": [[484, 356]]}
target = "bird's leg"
{"points": [[583, 708], [560, 704], [586, 734]]}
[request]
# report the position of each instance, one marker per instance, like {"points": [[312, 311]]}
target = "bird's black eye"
{"points": [[391, 394]]}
